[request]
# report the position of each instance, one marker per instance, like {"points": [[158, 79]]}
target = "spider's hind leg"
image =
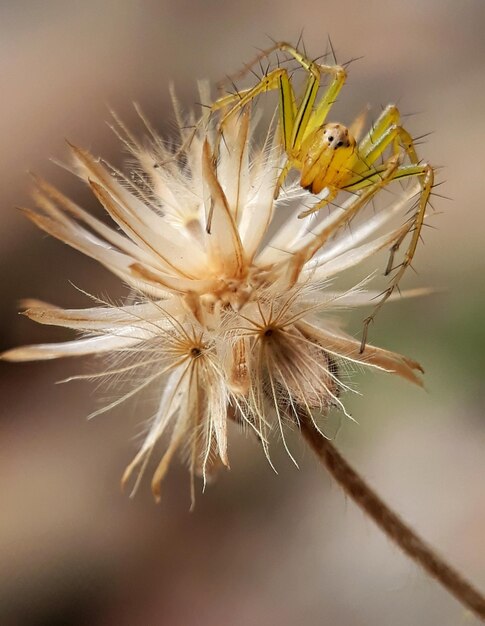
{"points": [[385, 133], [426, 174]]}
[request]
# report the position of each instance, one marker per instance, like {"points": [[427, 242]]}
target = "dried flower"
{"points": [[232, 324]]}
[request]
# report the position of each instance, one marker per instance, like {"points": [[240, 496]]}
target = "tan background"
{"points": [[259, 548]]}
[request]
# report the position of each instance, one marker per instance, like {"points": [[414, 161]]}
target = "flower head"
{"points": [[233, 324]]}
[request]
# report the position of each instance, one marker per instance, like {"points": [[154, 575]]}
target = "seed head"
{"points": [[239, 323]]}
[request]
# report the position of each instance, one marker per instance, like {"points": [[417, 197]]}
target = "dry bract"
{"points": [[236, 324]]}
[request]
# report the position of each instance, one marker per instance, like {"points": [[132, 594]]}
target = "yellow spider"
{"points": [[329, 156]]}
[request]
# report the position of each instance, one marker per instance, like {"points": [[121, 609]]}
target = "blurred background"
{"points": [[259, 548]]}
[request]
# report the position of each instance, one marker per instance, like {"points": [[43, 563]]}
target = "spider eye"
{"points": [[330, 138], [340, 143]]}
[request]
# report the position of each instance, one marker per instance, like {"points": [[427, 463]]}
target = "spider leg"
{"points": [[297, 122], [305, 109], [387, 132], [342, 218], [424, 171], [293, 118], [332, 194], [232, 104], [384, 131], [368, 179], [416, 225], [390, 116], [282, 177], [380, 141], [248, 67], [319, 115], [277, 79], [308, 119], [305, 119]]}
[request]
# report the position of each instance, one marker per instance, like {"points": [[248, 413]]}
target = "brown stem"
{"points": [[389, 522]]}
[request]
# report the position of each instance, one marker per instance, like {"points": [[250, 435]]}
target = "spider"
{"points": [[330, 156]]}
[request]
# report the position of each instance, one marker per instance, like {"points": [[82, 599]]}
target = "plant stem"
{"points": [[390, 522]]}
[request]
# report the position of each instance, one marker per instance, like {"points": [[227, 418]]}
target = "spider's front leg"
{"points": [[277, 79], [298, 120], [234, 104]]}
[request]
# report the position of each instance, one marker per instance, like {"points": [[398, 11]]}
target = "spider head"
{"points": [[335, 136]]}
